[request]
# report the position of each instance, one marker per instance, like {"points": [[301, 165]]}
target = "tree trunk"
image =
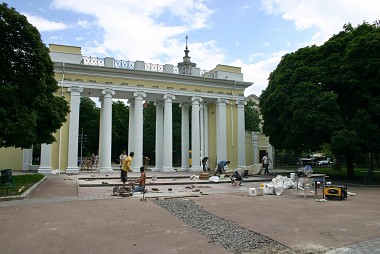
{"points": [[338, 162], [370, 161], [350, 165]]}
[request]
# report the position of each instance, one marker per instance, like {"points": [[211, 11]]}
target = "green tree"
{"points": [[89, 119], [251, 116], [149, 141], [29, 111], [327, 94], [120, 127]]}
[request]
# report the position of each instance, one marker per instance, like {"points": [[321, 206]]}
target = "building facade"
{"points": [[214, 100]]}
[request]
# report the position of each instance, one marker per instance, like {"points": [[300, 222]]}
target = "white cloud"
{"points": [[143, 30], [326, 17], [84, 24], [44, 25], [258, 73]]}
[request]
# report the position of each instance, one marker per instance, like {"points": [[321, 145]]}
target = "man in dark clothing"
{"points": [[236, 176], [221, 166], [204, 163]]}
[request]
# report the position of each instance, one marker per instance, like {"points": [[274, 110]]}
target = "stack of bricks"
{"points": [[204, 176]]}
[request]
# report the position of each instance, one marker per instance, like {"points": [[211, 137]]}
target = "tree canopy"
{"points": [[89, 119], [251, 116], [29, 111], [327, 94], [120, 127]]}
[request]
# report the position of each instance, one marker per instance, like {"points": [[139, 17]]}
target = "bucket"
{"points": [[252, 192], [260, 191], [292, 175]]}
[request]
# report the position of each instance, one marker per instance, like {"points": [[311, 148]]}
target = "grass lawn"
{"points": [[22, 183], [360, 175]]}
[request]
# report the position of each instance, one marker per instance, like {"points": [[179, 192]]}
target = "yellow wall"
{"points": [[11, 158], [64, 49], [212, 135], [61, 145], [262, 142], [248, 149], [227, 68], [232, 138]]}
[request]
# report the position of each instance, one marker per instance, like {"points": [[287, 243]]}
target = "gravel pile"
{"points": [[224, 233]]}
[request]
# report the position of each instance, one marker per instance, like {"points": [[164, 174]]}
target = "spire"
{"points": [[186, 49], [186, 65]]}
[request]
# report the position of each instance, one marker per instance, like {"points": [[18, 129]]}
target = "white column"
{"points": [[45, 159], [131, 128], [105, 162], [100, 134], [206, 133], [185, 137], [255, 149], [138, 132], [168, 134], [159, 135], [27, 155], [72, 161], [202, 131], [241, 132], [195, 137], [221, 130], [270, 154]]}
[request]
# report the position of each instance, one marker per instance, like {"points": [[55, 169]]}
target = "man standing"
{"points": [[221, 166], [126, 167], [122, 157], [266, 161], [204, 163]]}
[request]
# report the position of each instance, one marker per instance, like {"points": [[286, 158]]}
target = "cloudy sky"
{"points": [[252, 34]]}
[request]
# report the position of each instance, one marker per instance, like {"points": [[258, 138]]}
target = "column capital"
{"points": [[158, 103], [184, 105], [139, 94], [168, 97], [75, 89], [222, 101], [196, 99], [108, 92], [241, 102]]}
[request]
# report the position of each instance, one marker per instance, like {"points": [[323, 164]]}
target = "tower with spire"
{"points": [[186, 66]]}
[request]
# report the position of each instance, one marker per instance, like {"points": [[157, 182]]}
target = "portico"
{"points": [[216, 106]]}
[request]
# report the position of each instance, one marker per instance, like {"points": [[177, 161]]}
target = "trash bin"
{"points": [[7, 179]]}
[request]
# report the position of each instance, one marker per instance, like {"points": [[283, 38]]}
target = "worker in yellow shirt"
{"points": [[126, 167]]}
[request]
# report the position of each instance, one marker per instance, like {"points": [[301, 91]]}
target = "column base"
{"points": [[156, 169], [73, 170], [184, 169], [106, 170], [167, 169], [196, 169], [44, 170]]}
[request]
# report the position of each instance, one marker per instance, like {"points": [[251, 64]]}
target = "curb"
{"points": [[26, 193]]}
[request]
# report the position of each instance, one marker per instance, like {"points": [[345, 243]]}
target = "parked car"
{"points": [[324, 162]]}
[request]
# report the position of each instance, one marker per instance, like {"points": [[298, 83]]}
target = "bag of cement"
{"points": [[288, 183], [214, 179], [278, 188], [269, 189]]}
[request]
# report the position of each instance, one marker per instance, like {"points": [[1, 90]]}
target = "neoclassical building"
{"points": [[214, 100]]}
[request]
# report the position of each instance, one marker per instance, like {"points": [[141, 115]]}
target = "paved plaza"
{"points": [[79, 214]]}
